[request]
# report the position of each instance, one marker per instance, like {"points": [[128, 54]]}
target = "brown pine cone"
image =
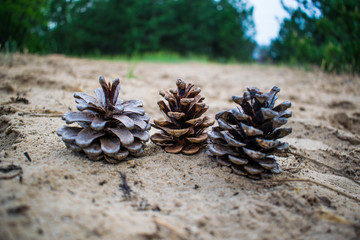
{"points": [[246, 137], [183, 128]]}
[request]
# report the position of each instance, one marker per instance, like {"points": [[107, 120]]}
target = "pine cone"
{"points": [[183, 127], [245, 139], [108, 126]]}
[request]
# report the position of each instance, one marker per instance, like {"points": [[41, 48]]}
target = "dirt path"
{"points": [[63, 195]]}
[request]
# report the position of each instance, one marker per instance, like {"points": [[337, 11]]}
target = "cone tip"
{"points": [[180, 83], [162, 93], [116, 80], [101, 80], [253, 89], [275, 89]]}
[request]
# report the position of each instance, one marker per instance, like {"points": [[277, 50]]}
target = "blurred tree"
{"points": [[323, 32], [234, 30], [58, 16], [220, 29], [23, 24]]}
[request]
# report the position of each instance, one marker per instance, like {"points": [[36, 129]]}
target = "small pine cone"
{"points": [[245, 139], [183, 127], [108, 126]]}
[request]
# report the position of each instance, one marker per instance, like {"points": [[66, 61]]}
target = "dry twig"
{"points": [[11, 168], [27, 156], [316, 183], [337, 172], [175, 233], [124, 186]]}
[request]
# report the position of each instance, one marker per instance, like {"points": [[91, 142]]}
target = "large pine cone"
{"points": [[108, 126], [183, 127], [245, 139]]}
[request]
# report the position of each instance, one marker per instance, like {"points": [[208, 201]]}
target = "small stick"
{"points": [[175, 233], [11, 168], [41, 113], [27, 156], [339, 173], [124, 186], [45, 115], [314, 182], [329, 216]]}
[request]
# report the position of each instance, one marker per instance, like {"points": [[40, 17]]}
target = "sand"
{"points": [[63, 195]]}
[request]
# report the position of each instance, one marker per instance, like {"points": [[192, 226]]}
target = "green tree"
{"points": [[58, 16], [23, 24], [215, 28], [323, 32]]}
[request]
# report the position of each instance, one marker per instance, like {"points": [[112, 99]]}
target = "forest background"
{"points": [[325, 33]]}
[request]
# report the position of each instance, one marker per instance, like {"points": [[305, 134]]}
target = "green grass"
{"points": [[167, 57], [131, 70]]}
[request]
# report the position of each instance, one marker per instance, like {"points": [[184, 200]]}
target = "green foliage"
{"points": [[184, 26], [219, 29], [131, 70], [330, 39], [160, 56], [23, 24]]}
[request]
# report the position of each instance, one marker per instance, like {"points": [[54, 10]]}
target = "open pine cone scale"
{"points": [[183, 128], [108, 126]]}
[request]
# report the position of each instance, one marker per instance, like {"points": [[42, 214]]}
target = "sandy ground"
{"points": [[63, 195]]}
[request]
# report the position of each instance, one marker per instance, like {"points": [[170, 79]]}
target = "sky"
{"points": [[268, 15]]}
